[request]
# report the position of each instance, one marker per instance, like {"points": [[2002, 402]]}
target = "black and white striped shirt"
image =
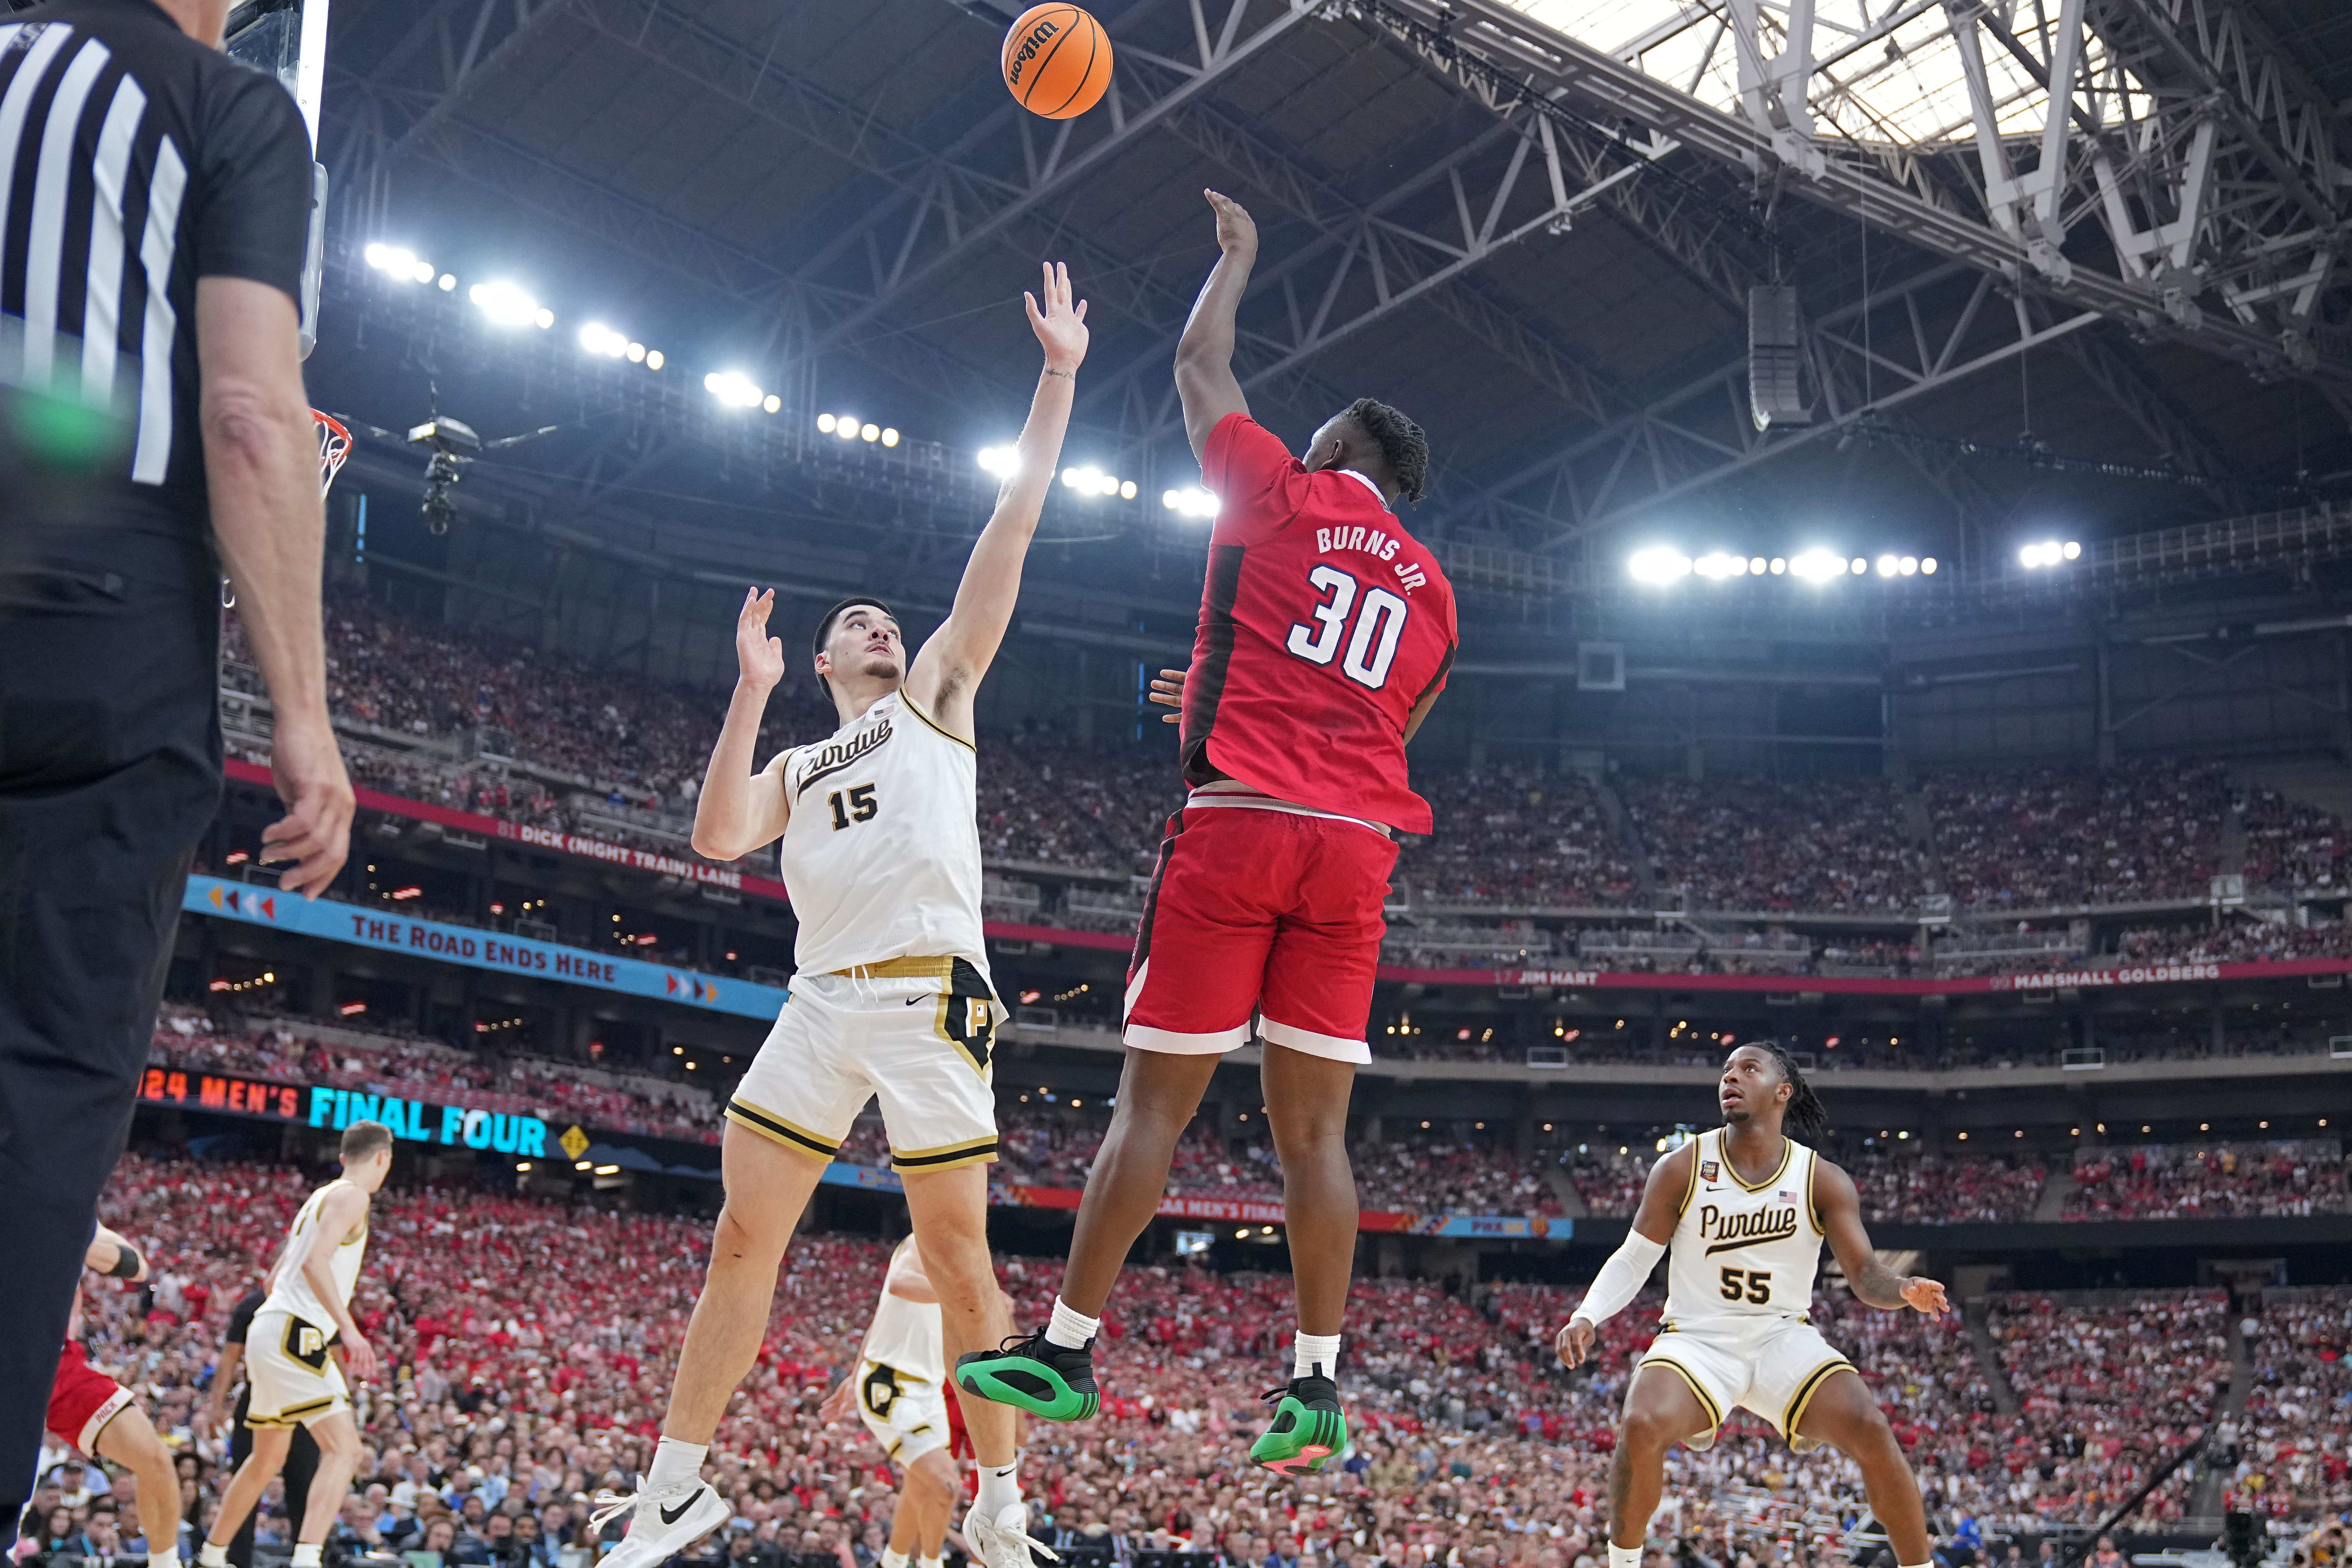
{"points": [[134, 161]]}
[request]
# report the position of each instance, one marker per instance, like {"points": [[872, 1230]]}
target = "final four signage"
{"points": [[320, 1105]]}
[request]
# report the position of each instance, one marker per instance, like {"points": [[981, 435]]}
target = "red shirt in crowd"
{"points": [[1323, 622]]}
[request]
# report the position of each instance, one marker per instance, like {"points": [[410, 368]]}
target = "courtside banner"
{"points": [[1268, 1211], [478, 949]]}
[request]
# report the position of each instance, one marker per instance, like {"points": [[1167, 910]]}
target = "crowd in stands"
{"points": [[2110, 1384], [500, 1396], [2239, 940], [2053, 837], [1509, 834], [2291, 844], [1838, 844], [2217, 1181], [2295, 1432]]}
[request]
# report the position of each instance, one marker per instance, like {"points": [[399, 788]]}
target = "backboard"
{"points": [[288, 39]]}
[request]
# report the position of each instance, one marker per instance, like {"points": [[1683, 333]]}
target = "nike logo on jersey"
{"points": [[672, 1515]]}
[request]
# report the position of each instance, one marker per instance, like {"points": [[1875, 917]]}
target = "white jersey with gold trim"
{"points": [[1741, 1253], [291, 1292], [881, 852], [905, 1335]]}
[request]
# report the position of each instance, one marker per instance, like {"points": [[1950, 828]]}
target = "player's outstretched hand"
{"points": [[1236, 230], [1575, 1341], [1060, 326], [836, 1405], [315, 833], [1168, 690], [359, 1356], [759, 656], [1925, 1296]]}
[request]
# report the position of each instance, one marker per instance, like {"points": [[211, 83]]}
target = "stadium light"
{"points": [[1658, 564], [1001, 461], [2048, 553], [869, 432], [1927, 565], [1887, 565], [1715, 566], [1817, 565], [845, 426], [508, 305], [400, 262], [1192, 501], [734, 388], [889, 436], [772, 403], [599, 339]]}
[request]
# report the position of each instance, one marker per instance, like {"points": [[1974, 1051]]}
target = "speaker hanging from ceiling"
{"points": [[1776, 358]]}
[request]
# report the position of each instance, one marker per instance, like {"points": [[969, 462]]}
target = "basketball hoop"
{"points": [[334, 446]]}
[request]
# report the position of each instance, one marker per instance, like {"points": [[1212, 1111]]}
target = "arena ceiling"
{"points": [[841, 198]]}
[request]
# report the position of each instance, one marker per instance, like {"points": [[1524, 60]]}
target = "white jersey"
{"points": [[292, 1292], [881, 853], [1744, 1253], [906, 1335]]}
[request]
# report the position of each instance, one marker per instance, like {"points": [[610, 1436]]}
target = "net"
{"points": [[334, 446]]}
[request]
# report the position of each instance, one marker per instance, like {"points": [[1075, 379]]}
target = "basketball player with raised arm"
{"points": [[890, 997], [898, 1389], [290, 1353], [1326, 633], [1741, 1213], [98, 1416]]}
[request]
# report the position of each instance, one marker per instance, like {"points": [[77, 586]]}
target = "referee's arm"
{"points": [[261, 461]]}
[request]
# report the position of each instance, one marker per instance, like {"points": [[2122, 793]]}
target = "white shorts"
{"points": [[291, 1378], [1773, 1368], [921, 1041], [907, 1414]]}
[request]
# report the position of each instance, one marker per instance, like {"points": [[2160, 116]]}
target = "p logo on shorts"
{"points": [[306, 1344], [881, 1390]]}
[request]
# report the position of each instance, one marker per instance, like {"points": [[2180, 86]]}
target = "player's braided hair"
{"points": [[1402, 446], [1806, 1119]]}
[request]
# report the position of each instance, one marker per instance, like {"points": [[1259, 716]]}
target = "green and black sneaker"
{"points": [[1307, 1428], [1046, 1379]]}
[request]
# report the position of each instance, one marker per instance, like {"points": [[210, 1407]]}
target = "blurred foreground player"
{"points": [[1326, 633], [1742, 1214], [99, 1417], [154, 247]]}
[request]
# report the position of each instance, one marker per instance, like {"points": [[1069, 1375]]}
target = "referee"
{"points": [[155, 196]]}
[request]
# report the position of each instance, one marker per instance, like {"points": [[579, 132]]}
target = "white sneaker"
{"points": [[665, 1523], [1003, 1541]]}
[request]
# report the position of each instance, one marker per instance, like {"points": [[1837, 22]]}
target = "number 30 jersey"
{"points": [[1323, 622], [1744, 1253], [881, 852]]}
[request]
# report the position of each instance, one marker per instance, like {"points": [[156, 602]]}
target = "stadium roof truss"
{"points": [[2188, 186]]}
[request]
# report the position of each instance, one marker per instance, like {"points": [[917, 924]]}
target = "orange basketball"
{"points": [[1057, 61]]}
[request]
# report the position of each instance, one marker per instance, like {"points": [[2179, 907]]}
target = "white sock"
{"points": [[306, 1555], [1624, 1556], [999, 1488], [893, 1558], [926, 1563], [211, 1556], [1316, 1356], [168, 1558], [676, 1464], [1071, 1330]]}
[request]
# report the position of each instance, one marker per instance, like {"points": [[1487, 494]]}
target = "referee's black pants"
{"points": [[301, 1469], [109, 771]]}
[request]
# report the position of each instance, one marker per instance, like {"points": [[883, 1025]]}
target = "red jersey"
{"points": [[1323, 624]]}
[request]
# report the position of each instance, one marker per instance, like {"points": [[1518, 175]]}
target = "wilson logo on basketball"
{"points": [[1039, 35], [1727, 1232]]}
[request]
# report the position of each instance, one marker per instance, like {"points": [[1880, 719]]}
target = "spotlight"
{"points": [[504, 304], [1126, 490], [653, 359], [845, 426], [1908, 565], [1779, 565], [400, 262], [1887, 566], [544, 317], [1861, 565], [1192, 501], [772, 403], [599, 339], [1000, 460], [869, 432], [734, 388], [1817, 565], [448, 282], [634, 353], [889, 436], [1106, 486], [1658, 564], [824, 425], [2073, 551], [1927, 565], [1715, 565], [1756, 566]]}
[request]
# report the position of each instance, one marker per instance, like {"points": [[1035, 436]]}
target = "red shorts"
{"points": [[1254, 910], [83, 1399]]}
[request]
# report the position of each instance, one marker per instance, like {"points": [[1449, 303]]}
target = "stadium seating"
{"points": [[1467, 1439], [2293, 1435]]}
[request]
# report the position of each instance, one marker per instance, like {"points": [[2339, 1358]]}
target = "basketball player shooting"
{"points": [[890, 996], [1326, 633], [1741, 1213]]}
